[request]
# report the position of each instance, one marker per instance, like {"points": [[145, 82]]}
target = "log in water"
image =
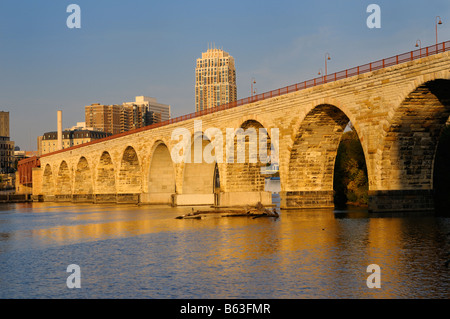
{"points": [[255, 212]]}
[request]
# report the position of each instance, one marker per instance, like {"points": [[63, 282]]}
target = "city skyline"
{"points": [[128, 49]]}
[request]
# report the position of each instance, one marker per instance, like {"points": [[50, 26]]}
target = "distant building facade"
{"points": [[7, 159], [6, 155], [105, 118], [116, 119], [71, 137], [24, 174], [215, 79]]}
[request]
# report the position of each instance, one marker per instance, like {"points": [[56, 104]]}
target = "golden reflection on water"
{"points": [[308, 247], [107, 222]]}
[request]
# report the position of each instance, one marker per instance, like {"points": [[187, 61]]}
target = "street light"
{"points": [[320, 73], [327, 57], [440, 22], [419, 45], [253, 91]]}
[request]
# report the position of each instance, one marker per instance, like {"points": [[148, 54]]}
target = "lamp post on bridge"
{"points": [[440, 22], [419, 45], [253, 90], [320, 73], [327, 57]]}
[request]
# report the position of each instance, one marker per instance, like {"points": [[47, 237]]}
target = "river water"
{"points": [[129, 251]]}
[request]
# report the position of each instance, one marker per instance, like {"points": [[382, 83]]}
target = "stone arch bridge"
{"points": [[398, 107]]}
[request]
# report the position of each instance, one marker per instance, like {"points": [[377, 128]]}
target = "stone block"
{"points": [[156, 198], [306, 199], [233, 199], [193, 199]]}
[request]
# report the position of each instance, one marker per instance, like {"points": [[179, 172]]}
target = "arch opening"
{"points": [[407, 161], [83, 178], [130, 180], [47, 181], [216, 179], [106, 180], [411, 140], [64, 183], [350, 181], [246, 170], [161, 175], [198, 177], [441, 176], [310, 180]]}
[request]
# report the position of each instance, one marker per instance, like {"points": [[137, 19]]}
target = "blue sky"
{"points": [[143, 47]]}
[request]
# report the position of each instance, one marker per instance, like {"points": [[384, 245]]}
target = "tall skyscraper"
{"points": [[215, 79]]}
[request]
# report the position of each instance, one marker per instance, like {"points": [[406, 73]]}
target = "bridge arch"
{"points": [[83, 178], [64, 180], [161, 177], [246, 175], [130, 174], [410, 140], [106, 177], [309, 178], [198, 177], [48, 186]]}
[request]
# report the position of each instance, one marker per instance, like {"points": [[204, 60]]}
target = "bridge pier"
{"points": [[223, 199], [379, 201], [230, 199], [63, 198], [156, 198], [83, 198], [105, 198], [193, 199], [48, 198], [401, 200], [306, 199]]}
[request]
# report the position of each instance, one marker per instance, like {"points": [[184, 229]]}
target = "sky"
{"points": [[143, 47]]}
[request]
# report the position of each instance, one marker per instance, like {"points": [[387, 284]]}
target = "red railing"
{"points": [[369, 67]]}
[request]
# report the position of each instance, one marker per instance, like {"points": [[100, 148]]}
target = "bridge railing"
{"points": [[369, 67]]}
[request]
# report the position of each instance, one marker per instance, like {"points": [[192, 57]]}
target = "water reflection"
{"points": [[131, 251]]}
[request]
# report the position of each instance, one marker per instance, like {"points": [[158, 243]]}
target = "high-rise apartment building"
{"points": [[6, 146], [149, 104], [106, 118], [215, 79], [116, 119]]}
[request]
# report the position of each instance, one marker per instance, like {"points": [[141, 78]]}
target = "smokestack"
{"points": [[60, 139]]}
